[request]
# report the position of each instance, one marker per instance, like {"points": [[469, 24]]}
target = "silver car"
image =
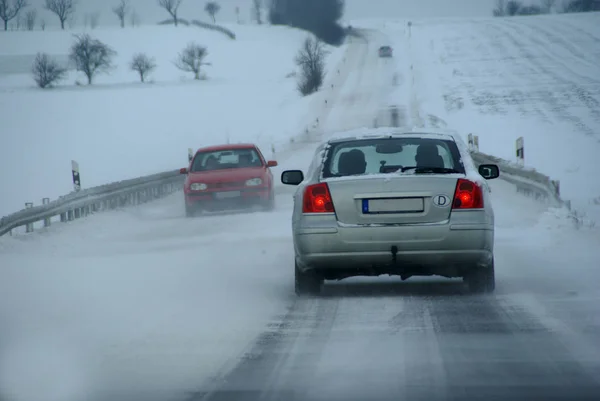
{"points": [[393, 202], [385, 51]]}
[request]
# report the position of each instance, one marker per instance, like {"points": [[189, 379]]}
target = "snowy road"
{"points": [[144, 303], [428, 339]]}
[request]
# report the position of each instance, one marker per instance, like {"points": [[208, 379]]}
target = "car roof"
{"points": [[233, 146], [375, 133]]}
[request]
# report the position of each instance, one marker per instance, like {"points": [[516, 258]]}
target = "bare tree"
{"points": [[91, 56], [63, 9], [143, 65], [46, 72], [500, 10], [257, 11], [311, 60], [513, 7], [10, 9], [94, 19], [212, 8], [30, 17], [548, 5], [191, 59], [171, 6], [134, 18], [121, 11]]}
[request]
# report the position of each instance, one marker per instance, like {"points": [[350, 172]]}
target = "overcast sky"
{"points": [[150, 12]]}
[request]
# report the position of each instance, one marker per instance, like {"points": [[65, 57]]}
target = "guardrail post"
{"points": [[556, 185], [76, 177], [77, 213], [29, 226], [394, 116], [45, 201], [63, 217], [70, 215], [520, 151], [473, 142]]}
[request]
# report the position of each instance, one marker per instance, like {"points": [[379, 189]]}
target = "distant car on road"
{"points": [[393, 202], [386, 51], [228, 177]]}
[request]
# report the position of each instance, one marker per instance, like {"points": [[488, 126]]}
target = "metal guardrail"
{"points": [[104, 197], [144, 189], [526, 180]]}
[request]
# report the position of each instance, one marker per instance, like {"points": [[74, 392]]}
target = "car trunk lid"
{"points": [[393, 199]]}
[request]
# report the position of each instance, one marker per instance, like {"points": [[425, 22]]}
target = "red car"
{"points": [[228, 177]]}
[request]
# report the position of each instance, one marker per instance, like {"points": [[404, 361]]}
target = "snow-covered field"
{"points": [[500, 79], [120, 128], [144, 303]]}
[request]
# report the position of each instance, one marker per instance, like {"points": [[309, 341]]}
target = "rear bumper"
{"points": [[209, 200], [437, 248]]}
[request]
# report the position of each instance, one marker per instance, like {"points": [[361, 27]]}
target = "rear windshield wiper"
{"points": [[433, 170]]}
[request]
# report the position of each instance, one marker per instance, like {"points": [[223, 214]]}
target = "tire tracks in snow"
{"points": [[279, 357], [557, 105], [387, 340], [555, 48]]}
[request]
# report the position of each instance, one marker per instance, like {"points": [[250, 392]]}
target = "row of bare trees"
{"points": [[11, 9], [172, 7], [65, 9], [91, 57], [511, 8]]}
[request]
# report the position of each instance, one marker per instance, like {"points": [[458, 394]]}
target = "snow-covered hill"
{"points": [[119, 128], [502, 78]]}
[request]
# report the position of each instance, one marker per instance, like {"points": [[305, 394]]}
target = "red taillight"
{"points": [[468, 195], [317, 199]]}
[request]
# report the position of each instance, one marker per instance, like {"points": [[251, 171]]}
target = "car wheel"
{"points": [[308, 282], [482, 280]]}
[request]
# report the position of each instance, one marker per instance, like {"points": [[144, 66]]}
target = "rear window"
{"points": [[387, 155], [226, 159]]}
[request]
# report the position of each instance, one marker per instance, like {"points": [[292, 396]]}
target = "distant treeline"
{"points": [[516, 7], [317, 16]]}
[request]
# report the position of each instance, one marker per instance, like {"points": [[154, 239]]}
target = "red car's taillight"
{"points": [[317, 199], [468, 195]]}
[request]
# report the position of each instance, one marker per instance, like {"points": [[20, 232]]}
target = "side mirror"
{"points": [[489, 171], [183, 170], [292, 177], [271, 163]]}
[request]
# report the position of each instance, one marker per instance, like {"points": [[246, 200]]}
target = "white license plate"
{"points": [[395, 205], [228, 194]]}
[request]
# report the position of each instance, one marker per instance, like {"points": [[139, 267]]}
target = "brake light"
{"points": [[468, 195], [317, 199]]}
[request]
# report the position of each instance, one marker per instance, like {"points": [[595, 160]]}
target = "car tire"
{"points": [[189, 211], [308, 282], [482, 280]]}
